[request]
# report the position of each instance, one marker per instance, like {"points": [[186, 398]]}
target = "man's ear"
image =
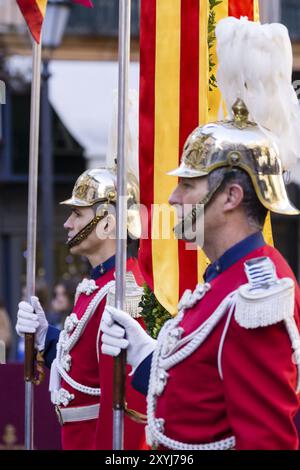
{"points": [[110, 224], [234, 196], [106, 228]]}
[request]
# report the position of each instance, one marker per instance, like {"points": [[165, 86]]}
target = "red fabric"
{"points": [[97, 433], [240, 8], [33, 17], [256, 400], [146, 125], [85, 3], [189, 117]]}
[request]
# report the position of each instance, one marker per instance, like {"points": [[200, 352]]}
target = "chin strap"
{"points": [[188, 221], [85, 232]]}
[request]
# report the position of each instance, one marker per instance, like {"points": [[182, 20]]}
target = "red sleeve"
{"points": [[260, 381]]}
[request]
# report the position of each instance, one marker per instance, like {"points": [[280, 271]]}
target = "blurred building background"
{"points": [[78, 82]]}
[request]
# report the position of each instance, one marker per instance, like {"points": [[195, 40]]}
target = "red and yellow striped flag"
{"points": [[34, 13], [174, 99]]}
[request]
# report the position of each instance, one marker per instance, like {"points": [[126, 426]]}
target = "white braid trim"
{"points": [[62, 363], [62, 397], [74, 337], [186, 346], [98, 344], [155, 437], [76, 385], [189, 298], [86, 286], [70, 323], [294, 335], [228, 320]]}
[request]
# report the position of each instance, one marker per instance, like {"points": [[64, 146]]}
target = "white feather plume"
{"points": [[132, 134], [255, 64]]}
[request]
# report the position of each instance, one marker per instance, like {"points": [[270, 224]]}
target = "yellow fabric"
{"points": [[42, 4], [267, 232], [167, 105], [256, 10], [203, 63]]}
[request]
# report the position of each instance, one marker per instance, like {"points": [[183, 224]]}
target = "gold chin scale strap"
{"points": [[191, 217]]}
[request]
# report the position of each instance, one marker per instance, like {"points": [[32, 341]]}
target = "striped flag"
{"points": [[177, 93], [34, 13]]}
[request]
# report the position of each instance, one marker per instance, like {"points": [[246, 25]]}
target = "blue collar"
{"points": [[102, 268], [234, 254]]}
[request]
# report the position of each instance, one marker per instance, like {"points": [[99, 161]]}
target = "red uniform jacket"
{"points": [[256, 400], [85, 369]]}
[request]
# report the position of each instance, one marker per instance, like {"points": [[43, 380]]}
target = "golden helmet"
{"points": [[100, 186], [238, 143]]}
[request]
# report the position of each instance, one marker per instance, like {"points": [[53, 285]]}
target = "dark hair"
{"points": [[70, 288], [255, 211]]}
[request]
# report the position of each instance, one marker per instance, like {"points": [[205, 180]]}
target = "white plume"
{"points": [[255, 64], [132, 134]]}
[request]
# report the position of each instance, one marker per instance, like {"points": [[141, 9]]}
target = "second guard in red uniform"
{"points": [[81, 379], [225, 372]]}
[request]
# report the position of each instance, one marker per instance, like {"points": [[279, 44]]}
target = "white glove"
{"points": [[32, 319], [117, 325]]}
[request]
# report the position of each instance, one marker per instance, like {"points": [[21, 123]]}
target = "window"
{"points": [[67, 152], [290, 16], [102, 20]]}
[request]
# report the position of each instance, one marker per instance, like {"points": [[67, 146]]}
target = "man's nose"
{"points": [[68, 225]]}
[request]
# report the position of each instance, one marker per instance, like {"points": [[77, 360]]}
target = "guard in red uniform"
{"points": [[81, 379], [225, 372]]}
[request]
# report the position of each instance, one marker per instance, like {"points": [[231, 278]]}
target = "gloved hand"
{"points": [[120, 331], [30, 322]]}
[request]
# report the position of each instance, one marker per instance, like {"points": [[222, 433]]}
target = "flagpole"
{"points": [[31, 236], [120, 361]]}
